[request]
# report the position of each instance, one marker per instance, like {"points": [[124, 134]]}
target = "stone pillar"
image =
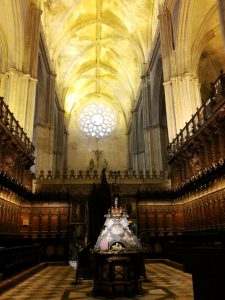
{"points": [[148, 128], [32, 35], [167, 43], [3, 81], [182, 95], [146, 117], [146, 99], [153, 149], [133, 137], [60, 142], [45, 132], [221, 9], [148, 152], [44, 147], [30, 107], [152, 132], [170, 111], [19, 90], [157, 146], [51, 99], [182, 92], [168, 61]]}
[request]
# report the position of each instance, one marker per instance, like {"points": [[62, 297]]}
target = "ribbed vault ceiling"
{"points": [[98, 48]]}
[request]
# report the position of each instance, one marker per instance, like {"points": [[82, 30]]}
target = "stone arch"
{"points": [[211, 61], [208, 55], [106, 98], [12, 12], [119, 29], [183, 38], [193, 33]]}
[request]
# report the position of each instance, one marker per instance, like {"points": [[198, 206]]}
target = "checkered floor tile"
{"points": [[56, 283]]}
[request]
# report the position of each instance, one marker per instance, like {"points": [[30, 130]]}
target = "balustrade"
{"points": [[12, 185], [201, 117], [9, 123], [94, 174]]}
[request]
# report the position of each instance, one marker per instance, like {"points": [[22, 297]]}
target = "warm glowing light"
{"points": [[99, 47], [69, 102]]}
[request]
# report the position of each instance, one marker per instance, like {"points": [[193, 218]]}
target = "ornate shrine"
{"points": [[118, 257]]}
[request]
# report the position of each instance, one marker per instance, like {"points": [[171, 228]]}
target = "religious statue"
{"points": [[91, 165], [105, 164], [117, 247]]}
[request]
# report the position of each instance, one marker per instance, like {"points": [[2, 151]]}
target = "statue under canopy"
{"points": [[116, 235]]}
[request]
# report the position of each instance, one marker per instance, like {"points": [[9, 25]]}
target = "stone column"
{"points": [[44, 147], [182, 92], [133, 137], [3, 82], [170, 111], [19, 90], [45, 131], [30, 107], [32, 36], [152, 132], [146, 99], [221, 10], [182, 95], [167, 43], [60, 142], [148, 154], [146, 117]]}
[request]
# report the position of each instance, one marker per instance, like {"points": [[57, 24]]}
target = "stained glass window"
{"points": [[97, 120]]}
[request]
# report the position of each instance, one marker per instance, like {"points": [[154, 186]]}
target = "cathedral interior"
{"points": [[103, 100]]}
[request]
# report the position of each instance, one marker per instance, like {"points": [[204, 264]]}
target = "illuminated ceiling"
{"points": [[98, 48]]}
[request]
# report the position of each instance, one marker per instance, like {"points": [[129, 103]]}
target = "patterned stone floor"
{"points": [[55, 282]]}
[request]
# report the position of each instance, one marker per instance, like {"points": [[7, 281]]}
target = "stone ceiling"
{"points": [[98, 48]]}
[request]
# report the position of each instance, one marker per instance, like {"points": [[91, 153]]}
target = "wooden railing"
{"points": [[95, 174], [8, 121], [203, 115], [10, 184]]}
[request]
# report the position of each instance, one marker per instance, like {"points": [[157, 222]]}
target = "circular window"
{"points": [[97, 120]]}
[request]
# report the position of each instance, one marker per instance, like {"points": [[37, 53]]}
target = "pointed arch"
{"points": [[184, 38], [203, 36]]}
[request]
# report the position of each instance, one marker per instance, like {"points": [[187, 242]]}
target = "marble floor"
{"points": [[55, 282]]}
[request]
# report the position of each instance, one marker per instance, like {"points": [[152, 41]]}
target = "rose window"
{"points": [[97, 120]]}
